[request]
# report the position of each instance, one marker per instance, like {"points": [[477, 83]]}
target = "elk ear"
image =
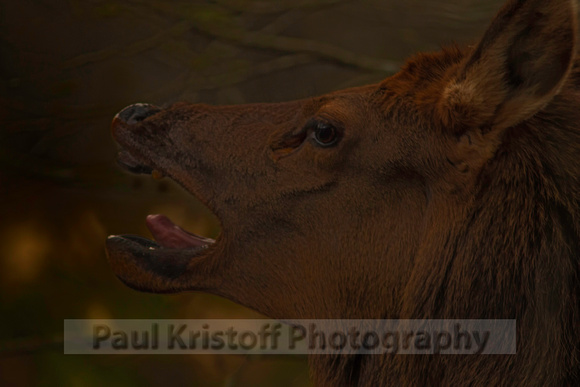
{"points": [[516, 69]]}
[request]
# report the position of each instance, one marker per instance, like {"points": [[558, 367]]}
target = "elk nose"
{"points": [[136, 113]]}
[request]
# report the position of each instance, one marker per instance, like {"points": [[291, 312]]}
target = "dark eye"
{"points": [[325, 134]]}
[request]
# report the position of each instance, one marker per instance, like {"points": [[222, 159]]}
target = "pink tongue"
{"points": [[169, 235]]}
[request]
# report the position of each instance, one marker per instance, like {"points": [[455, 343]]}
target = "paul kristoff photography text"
{"points": [[296, 337]]}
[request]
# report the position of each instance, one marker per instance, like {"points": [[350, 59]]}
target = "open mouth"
{"points": [[164, 231], [140, 262], [166, 234]]}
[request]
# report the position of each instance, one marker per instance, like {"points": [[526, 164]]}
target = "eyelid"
{"points": [[311, 125], [315, 122]]}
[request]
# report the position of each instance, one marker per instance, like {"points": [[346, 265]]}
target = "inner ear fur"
{"points": [[519, 65]]}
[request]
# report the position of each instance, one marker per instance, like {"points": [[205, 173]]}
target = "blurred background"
{"points": [[66, 68]]}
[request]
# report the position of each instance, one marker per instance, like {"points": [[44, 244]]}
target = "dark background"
{"points": [[66, 68]]}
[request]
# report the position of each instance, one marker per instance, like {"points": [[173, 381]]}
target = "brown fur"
{"points": [[454, 193]]}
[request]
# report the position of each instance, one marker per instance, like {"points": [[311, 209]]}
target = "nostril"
{"points": [[136, 113]]}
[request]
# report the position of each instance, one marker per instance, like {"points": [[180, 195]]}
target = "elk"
{"points": [[449, 190]]}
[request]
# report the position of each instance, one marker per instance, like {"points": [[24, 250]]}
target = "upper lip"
{"points": [[129, 163], [128, 158]]}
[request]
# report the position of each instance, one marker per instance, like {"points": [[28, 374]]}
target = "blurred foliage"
{"points": [[67, 66]]}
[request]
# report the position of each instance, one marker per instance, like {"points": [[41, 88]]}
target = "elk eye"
{"points": [[325, 134]]}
